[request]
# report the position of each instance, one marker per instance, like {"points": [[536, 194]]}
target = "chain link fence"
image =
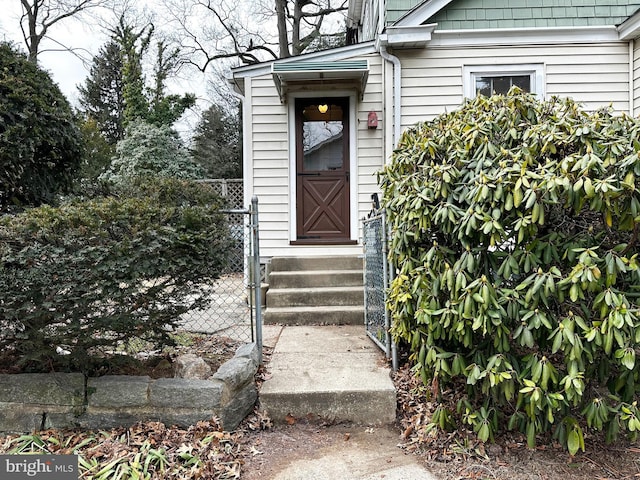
{"points": [[234, 310], [378, 273]]}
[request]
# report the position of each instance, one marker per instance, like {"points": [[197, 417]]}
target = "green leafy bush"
{"points": [[87, 276], [40, 144], [515, 229], [150, 150]]}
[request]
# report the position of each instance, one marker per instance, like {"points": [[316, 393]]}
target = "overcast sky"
{"points": [[65, 68]]}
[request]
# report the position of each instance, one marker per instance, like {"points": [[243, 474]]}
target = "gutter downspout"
{"points": [[401, 37], [397, 112], [397, 91]]}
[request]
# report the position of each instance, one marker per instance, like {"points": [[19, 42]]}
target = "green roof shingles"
{"points": [[477, 14]]}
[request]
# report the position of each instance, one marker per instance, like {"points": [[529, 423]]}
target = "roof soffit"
{"points": [[406, 37], [319, 74]]}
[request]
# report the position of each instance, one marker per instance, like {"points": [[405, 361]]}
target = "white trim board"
{"points": [[422, 13], [353, 160], [523, 36]]}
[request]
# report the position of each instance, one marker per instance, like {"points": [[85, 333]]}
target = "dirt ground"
{"points": [[270, 451], [448, 456]]}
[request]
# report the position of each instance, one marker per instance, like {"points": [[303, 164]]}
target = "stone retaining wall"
{"points": [[36, 401]]}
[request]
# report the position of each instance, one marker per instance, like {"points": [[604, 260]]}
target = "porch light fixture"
{"points": [[323, 108]]}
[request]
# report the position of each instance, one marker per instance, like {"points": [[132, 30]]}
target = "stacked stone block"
{"points": [[31, 402]]}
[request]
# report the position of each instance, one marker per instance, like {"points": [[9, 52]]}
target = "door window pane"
{"points": [[322, 137]]}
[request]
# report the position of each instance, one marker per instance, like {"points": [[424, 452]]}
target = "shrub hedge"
{"points": [[515, 229], [89, 275]]}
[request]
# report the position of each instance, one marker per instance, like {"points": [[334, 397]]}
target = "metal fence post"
{"points": [[388, 278], [257, 280], [385, 281]]}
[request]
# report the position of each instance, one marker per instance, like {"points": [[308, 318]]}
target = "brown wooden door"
{"points": [[322, 164]]}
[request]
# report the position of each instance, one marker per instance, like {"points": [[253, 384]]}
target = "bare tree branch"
{"points": [[222, 29], [38, 16], [212, 31], [85, 56]]}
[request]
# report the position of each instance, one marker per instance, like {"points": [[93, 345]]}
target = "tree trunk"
{"points": [[295, 33], [283, 39], [32, 39]]}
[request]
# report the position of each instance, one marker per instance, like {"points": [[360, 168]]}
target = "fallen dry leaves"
{"points": [[459, 455], [151, 450], [147, 450]]}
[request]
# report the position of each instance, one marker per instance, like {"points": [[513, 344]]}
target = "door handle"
{"points": [[308, 174]]}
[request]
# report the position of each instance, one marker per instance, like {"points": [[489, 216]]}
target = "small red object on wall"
{"points": [[372, 120]]}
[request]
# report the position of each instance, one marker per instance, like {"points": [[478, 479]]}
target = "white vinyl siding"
{"points": [[594, 75], [636, 78], [269, 160], [369, 142]]}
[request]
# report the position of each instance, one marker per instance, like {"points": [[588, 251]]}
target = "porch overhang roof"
{"points": [[301, 73]]}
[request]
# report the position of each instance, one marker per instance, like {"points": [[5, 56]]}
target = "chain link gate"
{"points": [[378, 274], [235, 309]]}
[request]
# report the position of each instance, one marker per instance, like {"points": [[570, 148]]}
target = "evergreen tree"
{"points": [[97, 156], [217, 144], [116, 94], [40, 143], [152, 104], [150, 151], [101, 97], [133, 46]]}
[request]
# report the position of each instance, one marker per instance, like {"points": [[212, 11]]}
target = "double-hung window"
{"points": [[488, 80]]}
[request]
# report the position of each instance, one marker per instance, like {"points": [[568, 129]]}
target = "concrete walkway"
{"points": [[367, 455], [337, 373]]}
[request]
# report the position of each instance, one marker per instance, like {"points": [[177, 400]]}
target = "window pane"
{"points": [[483, 86], [523, 82], [500, 84]]}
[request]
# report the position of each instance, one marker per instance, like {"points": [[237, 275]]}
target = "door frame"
{"points": [[353, 176]]}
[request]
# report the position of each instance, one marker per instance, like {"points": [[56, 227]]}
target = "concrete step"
{"points": [[316, 278], [333, 373], [322, 315], [315, 290], [298, 297], [284, 264]]}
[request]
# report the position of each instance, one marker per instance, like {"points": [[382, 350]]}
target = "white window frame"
{"points": [[535, 71]]}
